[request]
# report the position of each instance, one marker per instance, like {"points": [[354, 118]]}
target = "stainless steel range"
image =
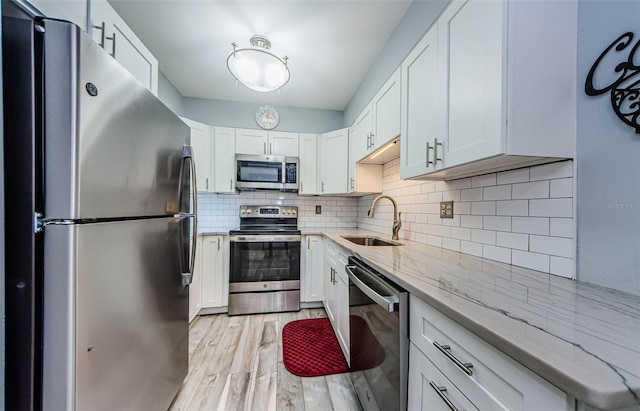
{"points": [[264, 271]]}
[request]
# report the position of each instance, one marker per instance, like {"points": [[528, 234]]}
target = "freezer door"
{"points": [[112, 149], [116, 315]]}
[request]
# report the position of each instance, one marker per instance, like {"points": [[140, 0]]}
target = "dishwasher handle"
{"points": [[390, 303]]}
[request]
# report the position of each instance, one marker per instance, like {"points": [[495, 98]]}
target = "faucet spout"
{"points": [[397, 222]]}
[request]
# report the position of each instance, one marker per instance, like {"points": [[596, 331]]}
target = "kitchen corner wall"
{"points": [[522, 217], [220, 212]]}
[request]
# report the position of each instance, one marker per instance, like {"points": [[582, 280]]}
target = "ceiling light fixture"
{"points": [[256, 67]]}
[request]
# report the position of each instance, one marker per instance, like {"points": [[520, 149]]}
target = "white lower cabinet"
{"points": [[336, 294], [486, 377], [209, 289], [195, 289], [311, 278], [214, 272]]}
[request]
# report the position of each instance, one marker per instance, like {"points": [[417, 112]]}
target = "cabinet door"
{"points": [[342, 311], [122, 43], [73, 11], [251, 141], [201, 144], [313, 279], [429, 389], [329, 297], [334, 162], [214, 287], [363, 129], [283, 144], [308, 164], [386, 111], [420, 120], [471, 68], [195, 288], [224, 171]]}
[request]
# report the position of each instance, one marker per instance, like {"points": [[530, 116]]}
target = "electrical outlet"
{"points": [[318, 209], [446, 209]]}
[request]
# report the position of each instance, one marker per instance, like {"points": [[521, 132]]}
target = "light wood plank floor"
{"points": [[235, 363]]}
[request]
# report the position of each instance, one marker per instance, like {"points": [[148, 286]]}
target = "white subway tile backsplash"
{"points": [[537, 189], [471, 221], [483, 208], [562, 187], [471, 194], [461, 183], [530, 225], [534, 261], [552, 207], [561, 227], [468, 247], [550, 171], [461, 233], [561, 247], [451, 244], [483, 236], [564, 267], [513, 176], [496, 223], [484, 180], [497, 193], [513, 240], [512, 208], [501, 254], [451, 195]]}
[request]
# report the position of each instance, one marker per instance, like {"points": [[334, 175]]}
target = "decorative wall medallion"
{"points": [[267, 117], [619, 61]]}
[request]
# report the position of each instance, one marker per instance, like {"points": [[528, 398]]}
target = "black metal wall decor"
{"points": [[625, 89]]}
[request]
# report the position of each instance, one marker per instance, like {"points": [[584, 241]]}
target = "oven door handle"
{"points": [[390, 302], [265, 238]]}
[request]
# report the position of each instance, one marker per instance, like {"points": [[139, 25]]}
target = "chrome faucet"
{"points": [[397, 222]]}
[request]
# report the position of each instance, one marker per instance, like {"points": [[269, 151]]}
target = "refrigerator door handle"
{"points": [[187, 155]]}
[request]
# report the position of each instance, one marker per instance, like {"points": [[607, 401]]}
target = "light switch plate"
{"points": [[446, 209]]}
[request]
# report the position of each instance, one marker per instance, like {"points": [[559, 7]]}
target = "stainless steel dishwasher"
{"points": [[379, 335]]}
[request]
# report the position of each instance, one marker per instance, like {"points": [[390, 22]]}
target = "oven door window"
{"points": [[259, 171], [265, 261]]}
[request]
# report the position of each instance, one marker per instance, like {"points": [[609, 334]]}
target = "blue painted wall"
{"points": [[169, 95], [608, 158], [242, 115], [415, 23]]}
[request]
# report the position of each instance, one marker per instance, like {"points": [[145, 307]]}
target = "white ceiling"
{"points": [[330, 44]]}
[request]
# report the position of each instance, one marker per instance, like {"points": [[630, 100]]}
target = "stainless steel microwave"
{"points": [[259, 172]]}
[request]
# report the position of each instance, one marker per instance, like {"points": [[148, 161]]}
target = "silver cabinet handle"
{"points": [[308, 243], [435, 151], [270, 148], [206, 183], [368, 141], [353, 183], [231, 184], [103, 37], [322, 189], [445, 349], [429, 148], [440, 391], [218, 243], [301, 187], [373, 140]]}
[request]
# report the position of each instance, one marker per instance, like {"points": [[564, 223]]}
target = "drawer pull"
{"points": [[466, 367], [440, 391]]}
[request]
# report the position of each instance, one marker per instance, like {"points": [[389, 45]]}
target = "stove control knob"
{"points": [[293, 211], [249, 211], [243, 211]]}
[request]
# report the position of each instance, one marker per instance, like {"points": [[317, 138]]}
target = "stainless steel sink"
{"points": [[369, 241]]}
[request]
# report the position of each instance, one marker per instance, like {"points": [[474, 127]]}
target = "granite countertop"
{"points": [[582, 338]]}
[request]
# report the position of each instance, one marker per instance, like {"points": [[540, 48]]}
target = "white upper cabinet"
{"points": [[488, 89], [386, 111], [108, 29], [275, 143], [224, 168], [308, 172], [420, 118], [282, 143], [334, 162], [362, 134], [73, 11], [201, 143]]}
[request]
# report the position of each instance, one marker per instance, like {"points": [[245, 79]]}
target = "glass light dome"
{"points": [[256, 67]]}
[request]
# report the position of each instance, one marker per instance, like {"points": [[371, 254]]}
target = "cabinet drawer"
{"points": [[495, 381], [427, 384]]}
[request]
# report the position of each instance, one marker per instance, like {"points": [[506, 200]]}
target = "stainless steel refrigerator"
{"points": [[100, 192]]}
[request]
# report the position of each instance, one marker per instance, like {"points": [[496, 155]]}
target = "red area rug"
{"points": [[310, 348]]}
